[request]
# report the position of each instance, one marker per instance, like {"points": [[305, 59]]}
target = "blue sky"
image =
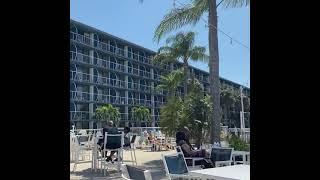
{"points": [[136, 22]]}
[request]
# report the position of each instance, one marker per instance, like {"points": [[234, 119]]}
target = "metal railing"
{"points": [[84, 77], [109, 48], [84, 58], [79, 96], [102, 98], [79, 115], [85, 116], [118, 51]]}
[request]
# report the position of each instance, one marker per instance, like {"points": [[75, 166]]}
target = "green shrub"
{"points": [[238, 144]]}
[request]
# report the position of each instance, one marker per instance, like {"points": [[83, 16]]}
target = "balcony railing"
{"points": [[78, 76], [108, 47], [102, 98], [118, 51], [112, 49], [84, 77], [79, 96], [139, 102], [107, 64], [79, 115], [80, 38], [158, 103], [131, 117]]}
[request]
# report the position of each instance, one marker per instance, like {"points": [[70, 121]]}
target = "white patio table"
{"points": [[236, 172]]}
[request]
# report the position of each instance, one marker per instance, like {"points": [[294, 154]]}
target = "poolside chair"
{"points": [[132, 150], [74, 151], [117, 140], [221, 156], [130, 172], [192, 159], [176, 167]]}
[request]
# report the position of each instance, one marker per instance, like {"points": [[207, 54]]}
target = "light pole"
{"points": [[242, 123]]}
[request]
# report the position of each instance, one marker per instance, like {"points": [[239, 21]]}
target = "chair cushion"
{"points": [[176, 164], [220, 154], [135, 173]]}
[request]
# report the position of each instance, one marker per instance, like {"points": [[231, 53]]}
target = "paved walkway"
{"points": [[147, 160]]}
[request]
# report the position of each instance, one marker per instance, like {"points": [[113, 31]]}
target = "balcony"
{"points": [[145, 88], [79, 57], [109, 48], [139, 102], [80, 96], [81, 77], [158, 104], [79, 115], [80, 38]]}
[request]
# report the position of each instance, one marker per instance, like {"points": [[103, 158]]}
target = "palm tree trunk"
{"points": [[186, 76], [214, 72]]}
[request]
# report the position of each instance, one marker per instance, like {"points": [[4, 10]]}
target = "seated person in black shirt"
{"points": [[111, 142]]}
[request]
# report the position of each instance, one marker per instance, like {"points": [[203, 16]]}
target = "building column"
{"points": [[92, 39], [91, 88], [152, 99], [153, 123], [126, 108], [126, 51], [108, 47], [91, 110]]}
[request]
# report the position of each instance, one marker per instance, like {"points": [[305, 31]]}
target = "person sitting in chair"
{"points": [[110, 129], [187, 149], [182, 140]]}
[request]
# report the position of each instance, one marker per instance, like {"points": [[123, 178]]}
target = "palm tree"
{"points": [[196, 110], [170, 115], [181, 46], [171, 82], [191, 14], [141, 114], [108, 113], [228, 99]]}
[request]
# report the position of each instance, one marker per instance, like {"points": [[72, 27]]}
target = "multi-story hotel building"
{"points": [[105, 69]]}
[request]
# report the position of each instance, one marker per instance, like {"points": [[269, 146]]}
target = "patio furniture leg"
{"points": [[135, 158], [132, 157]]}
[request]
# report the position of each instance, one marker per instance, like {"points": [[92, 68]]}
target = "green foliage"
{"points": [[193, 112], [170, 115], [196, 111], [181, 46], [238, 144], [171, 82], [141, 114], [108, 113]]}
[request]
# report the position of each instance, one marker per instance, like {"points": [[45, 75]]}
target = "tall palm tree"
{"points": [[181, 46], [191, 14], [141, 114], [108, 113], [171, 82]]}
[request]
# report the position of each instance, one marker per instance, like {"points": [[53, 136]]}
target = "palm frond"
{"points": [[198, 53], [176, 18], [235, 3], [163, 58]]}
